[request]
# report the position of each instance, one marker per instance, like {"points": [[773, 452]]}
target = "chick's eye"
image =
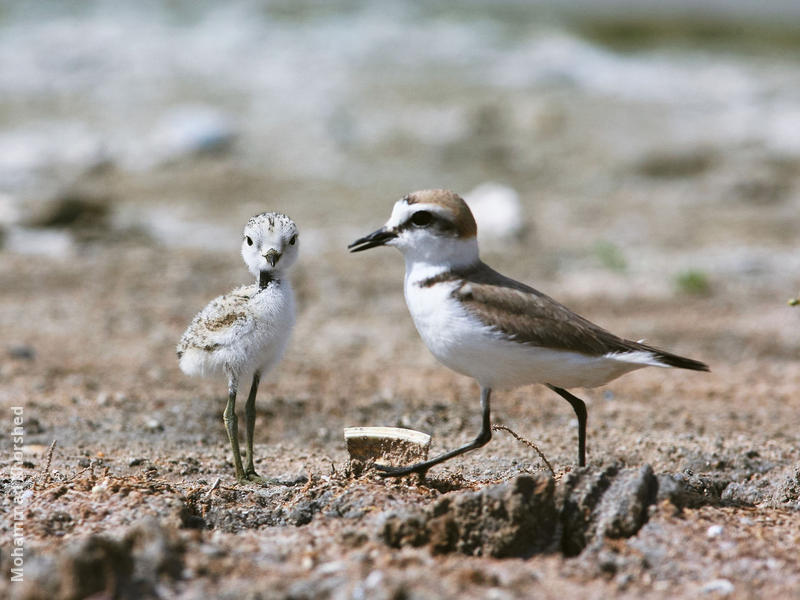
{"points": [[421, 218], [249, 240], [293, 241]]}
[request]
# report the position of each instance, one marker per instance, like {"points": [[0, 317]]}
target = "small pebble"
{"points": [[497, 210], [718, 586], [21, 352], [714, 531], [153, 425]]}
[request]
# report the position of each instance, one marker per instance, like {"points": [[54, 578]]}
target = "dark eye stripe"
{"points": [[437, 222]]}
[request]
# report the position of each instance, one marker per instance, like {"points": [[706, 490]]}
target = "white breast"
{"points": [[275, 316]]}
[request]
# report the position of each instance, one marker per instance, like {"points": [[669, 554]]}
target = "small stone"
{"points": [[718, 586], [135, 462], [497, 211], [56, 243], [185, 132], [153, 425], [21, 352], [391, 446], [714, 531]]}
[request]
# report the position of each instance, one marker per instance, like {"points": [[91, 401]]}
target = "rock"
{"points": [[663, 164], [515, 518], [610, 503], [303, 513], [723, 587], [99, 566], [743, 494], [789, 489], [156, 551], [21, 352], [497, 210], [687, 490], [71, 209], [392, 446], [182, 133], [405, 528], [153, 425], [55, 243], [94, 565], [529, 515]]}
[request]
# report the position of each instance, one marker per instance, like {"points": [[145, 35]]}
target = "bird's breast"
{"points": [[449, 332]]}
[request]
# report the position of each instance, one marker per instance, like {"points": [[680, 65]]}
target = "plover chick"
{"points": [[499, 331], [243, 334]]}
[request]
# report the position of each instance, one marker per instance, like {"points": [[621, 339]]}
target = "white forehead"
{"points": [[271, 222], [403, 210]]}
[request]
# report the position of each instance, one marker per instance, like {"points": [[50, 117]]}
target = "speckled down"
{"points": [[242, 332]]}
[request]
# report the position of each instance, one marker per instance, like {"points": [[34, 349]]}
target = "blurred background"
{"points": [[637, 160], [606, 119]]}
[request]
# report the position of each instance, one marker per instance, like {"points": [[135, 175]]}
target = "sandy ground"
{"points": [[138, 498]]}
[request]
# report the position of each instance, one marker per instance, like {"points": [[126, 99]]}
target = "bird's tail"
{"points": [[668, 359]]}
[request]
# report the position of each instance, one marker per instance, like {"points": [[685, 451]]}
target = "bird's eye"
{"points": [[421, 218], [249, 240], [293, 241]]}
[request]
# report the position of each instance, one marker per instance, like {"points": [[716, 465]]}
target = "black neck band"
{"points": [[264, 279]]}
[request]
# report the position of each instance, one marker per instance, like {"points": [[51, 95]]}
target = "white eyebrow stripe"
{"points": [[402, 211]]}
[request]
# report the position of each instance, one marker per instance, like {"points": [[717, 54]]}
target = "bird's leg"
{"points": [[250, 425], [483, 437], [579, 406], [232, 426]]}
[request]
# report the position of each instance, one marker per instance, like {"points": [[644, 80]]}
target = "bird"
{"points": [[244, 333], [502, 333]]}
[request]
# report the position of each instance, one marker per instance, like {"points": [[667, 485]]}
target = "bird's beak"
{"points": [[373, 240], [272, 256]]}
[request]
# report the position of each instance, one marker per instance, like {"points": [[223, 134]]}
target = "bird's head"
{"points": [[269, 243], [433, 226]]}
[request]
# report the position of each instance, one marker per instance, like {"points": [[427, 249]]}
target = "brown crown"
{"points": [[462, 218]]}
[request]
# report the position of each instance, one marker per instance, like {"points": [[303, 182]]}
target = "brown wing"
{"points": [[527, 315]]}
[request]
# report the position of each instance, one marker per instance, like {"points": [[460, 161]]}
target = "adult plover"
{"points": [[497, 330], [244, 333]]}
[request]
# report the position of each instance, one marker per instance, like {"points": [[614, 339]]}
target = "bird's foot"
{"points": [[389, 471], [253, 477]]}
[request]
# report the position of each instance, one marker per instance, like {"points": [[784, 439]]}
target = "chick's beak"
{"points": [[373, 240], [272, 256]]}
